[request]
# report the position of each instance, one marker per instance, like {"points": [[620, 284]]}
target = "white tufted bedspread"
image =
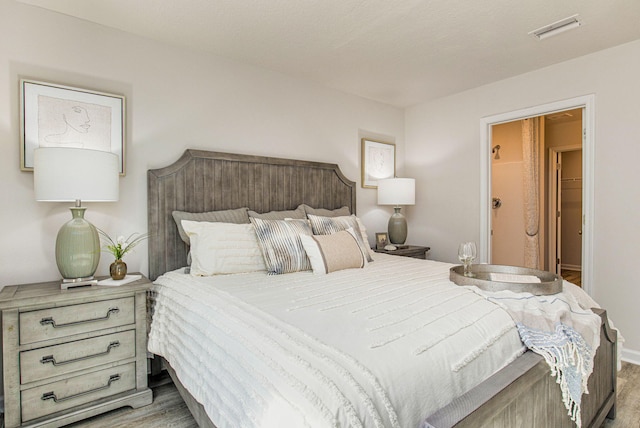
{"points": [[382, 346]]}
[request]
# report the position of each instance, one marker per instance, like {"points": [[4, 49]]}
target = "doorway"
{"points": [[584, 106], [558, 196], [565, 212]]}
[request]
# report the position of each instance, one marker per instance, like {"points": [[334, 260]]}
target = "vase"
{"points": [[118, 270]]}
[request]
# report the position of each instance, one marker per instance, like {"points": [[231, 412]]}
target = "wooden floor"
{"points": [[573, 276], [168, 409], [628, 408]]}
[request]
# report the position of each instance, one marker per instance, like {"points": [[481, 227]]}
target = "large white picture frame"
{"points": [[378, 162], [53, 115]]}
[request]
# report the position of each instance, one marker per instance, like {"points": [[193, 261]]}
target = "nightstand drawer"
{"points": [[65, 321], [57, 360], [76, 391]]}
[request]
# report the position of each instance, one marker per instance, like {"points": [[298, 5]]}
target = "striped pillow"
{"points": [[281, 245], [328, 225]]}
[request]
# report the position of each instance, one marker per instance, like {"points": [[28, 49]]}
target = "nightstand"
{"points": [[72, 354], [415, 251]]}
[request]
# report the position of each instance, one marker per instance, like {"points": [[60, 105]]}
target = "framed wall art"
{"points": [[378, 162], [382, 240], [61, 116]]}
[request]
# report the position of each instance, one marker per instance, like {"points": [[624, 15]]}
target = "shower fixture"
{"points": [[496, 150]]}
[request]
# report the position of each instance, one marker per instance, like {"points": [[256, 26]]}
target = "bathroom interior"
{"points": [[558, 187]]}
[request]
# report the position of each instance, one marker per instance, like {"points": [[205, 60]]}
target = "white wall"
{"points": [[507, 184], [443, 154], [176, 99]]}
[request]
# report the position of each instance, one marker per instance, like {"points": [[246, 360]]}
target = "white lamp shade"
{"points": [[65, 174], [397, 191]]}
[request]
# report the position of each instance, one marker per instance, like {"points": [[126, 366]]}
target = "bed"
{"points": [[515, 392]]}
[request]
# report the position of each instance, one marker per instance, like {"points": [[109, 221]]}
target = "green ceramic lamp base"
{"points": [[77, 249]]}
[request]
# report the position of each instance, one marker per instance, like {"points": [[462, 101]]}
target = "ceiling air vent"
{"points": [[557, 27]]}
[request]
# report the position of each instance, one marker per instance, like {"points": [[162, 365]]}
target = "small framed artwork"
{"points": [[378, 162], [61, 116], [382, 240]]}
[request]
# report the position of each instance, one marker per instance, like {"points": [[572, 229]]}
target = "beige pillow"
{"points": [[223, 248], [331, 253], [328, 225]]}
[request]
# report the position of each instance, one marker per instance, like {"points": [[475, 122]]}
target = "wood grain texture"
{"points": [[77, 355], [628, 400], [76, 391], [414, 251], [202, 181], [169, 409], [11, 367], [197, 410], [84, 386], [75, 319], [573, 276], [524, 390]]}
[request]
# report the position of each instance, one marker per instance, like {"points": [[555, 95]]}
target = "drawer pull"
{"points": [[50, 320], [52, 396], [52, 360]]}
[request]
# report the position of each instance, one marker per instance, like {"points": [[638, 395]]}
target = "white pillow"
{"points": [[223, 248], [331, 253]]}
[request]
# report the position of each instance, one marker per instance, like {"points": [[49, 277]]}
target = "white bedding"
{"points": [[382, 346]]}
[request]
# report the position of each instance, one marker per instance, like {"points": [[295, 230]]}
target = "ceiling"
{"points": [[399, 52], [564, 116]]}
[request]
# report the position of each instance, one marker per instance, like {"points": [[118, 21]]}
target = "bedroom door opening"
{"points": [[566, 135], [558, 193]]}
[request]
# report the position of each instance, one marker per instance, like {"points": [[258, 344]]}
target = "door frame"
{"points": [[587, 102], [555, 195]]}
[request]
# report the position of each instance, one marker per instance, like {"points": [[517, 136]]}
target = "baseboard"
{"points": [[631, 356], [571, 267]]}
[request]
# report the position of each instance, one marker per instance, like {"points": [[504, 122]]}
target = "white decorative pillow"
{"points": [[223, 248], [365, 238], [281, 245], [328, 225], [331, 253], [238, 215]]}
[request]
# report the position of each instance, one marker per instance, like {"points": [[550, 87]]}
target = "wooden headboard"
{"points": [[202, 181]]}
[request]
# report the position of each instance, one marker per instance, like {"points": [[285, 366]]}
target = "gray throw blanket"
{"points": [[563, 330]]}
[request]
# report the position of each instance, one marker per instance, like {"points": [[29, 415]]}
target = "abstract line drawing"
{"points": [[378, 162], [61, 116], [66, 123]]}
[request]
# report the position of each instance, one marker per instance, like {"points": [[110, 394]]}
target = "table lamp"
{"points": [[397, 191], [70, 174]]}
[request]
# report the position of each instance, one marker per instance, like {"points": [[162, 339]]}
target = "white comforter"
{"points": [[382, 346]]}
